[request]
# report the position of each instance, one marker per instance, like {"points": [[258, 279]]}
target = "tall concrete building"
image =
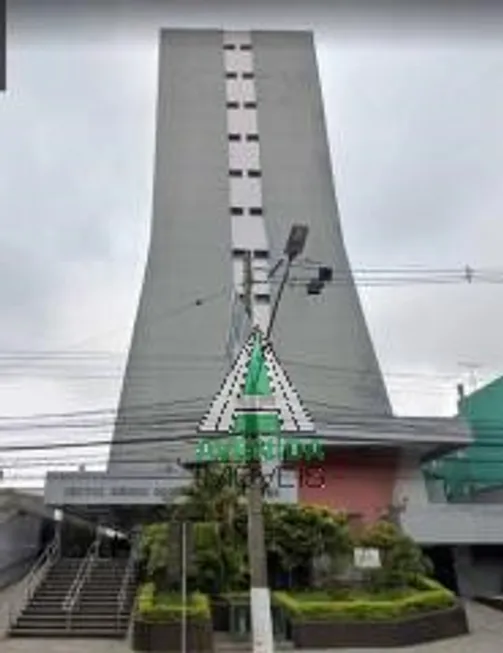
{"points": [[241, 155]]}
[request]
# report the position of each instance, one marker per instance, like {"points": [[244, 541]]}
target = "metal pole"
{"points": [[184, 589], [260, 599]]}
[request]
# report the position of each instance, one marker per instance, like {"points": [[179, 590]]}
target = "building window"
{"points": [[250, 105], [262, 254], [263, 298], [237, 210], [252, 137], [256, 210], [245, 46], [233, 105], [248, 75], [234, 137], [231, 75], [235, 173], [239, 253], [254, 173], [229, 46]]}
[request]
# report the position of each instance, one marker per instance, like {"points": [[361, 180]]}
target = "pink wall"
{"points": [[356, 482]]}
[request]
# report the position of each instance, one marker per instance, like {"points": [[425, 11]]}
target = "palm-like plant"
{"points": [[214, 496], [213, 501]]}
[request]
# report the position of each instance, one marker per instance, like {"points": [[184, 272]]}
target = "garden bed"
{"points": [[403, 618], [157, 622]]}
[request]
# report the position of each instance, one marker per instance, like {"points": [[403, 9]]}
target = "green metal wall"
{"points": [[480, 466]]}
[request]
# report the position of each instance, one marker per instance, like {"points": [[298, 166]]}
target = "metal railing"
{"points": [[73, 593], [126, 579], [34, 577]]}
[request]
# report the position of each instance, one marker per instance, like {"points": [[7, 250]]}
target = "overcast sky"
{"points": [[414, 119]]}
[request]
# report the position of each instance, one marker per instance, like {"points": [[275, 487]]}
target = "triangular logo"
{"points": [[257, 388]]}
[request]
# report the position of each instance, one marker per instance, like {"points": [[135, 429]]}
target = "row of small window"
{"points": [[260, 298], [250, 138], [240, 173], [234, 75], [246, 105], [262, 254], [254, 210], [233, 46]]}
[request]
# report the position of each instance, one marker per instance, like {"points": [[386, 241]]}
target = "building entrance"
{"points": [[444, 569]]}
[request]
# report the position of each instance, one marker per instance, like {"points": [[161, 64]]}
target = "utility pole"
{"points": [[260, 602], [248, 284], [260, 598]]}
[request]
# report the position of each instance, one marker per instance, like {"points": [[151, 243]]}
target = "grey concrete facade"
{"points": [[312, 333], [22, 517], [178, 348], [177, 357], [19, 545]]}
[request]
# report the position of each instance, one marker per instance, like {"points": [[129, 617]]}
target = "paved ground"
{"points": [[486, 637]]}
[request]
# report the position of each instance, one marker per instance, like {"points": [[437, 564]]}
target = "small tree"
{"points": [[402, 560], [298, 534]]}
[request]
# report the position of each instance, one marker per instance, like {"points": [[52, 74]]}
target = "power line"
{"points": [[198, 301], [187, 436], [133, 408]]}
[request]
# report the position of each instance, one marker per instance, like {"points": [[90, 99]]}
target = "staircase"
{"points": [[95, 612]]}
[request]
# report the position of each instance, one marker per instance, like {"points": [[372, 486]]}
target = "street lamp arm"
{"points": [[279, 294]]}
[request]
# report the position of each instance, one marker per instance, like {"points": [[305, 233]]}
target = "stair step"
{"points": [[54, 596], [93, 594], [57, 606], [91, 633], [76, 617]]}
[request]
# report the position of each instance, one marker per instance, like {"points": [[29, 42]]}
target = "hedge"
{"points": [[427, 597], [168, 607]]}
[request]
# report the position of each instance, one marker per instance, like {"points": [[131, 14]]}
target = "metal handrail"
{"points": [[73, 593], [35, 576], [130, 567]]}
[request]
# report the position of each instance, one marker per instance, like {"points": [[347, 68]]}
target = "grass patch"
{"points": [[427, 596], [163, 607]]}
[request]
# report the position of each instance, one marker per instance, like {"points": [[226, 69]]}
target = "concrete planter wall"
{"points": [[491, 602], [166, 636], [364, 634]]}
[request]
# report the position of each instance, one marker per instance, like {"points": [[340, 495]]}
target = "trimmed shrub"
{"points": [[429, 596], [165, 607], [402, 559]]}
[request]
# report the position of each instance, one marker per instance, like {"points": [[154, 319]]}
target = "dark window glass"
{"points": [[248, 75], [231, 75], [257, 210], [233, 105], [245, 46], [229, 46], [254, 173], [236, 210], [252, 137], [250, 105], [238, 253], [235, 173], [262, 298], [261, 253], [234, 137]]}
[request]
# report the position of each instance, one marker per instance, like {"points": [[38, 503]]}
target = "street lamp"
{"points": [[296, 241]]}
